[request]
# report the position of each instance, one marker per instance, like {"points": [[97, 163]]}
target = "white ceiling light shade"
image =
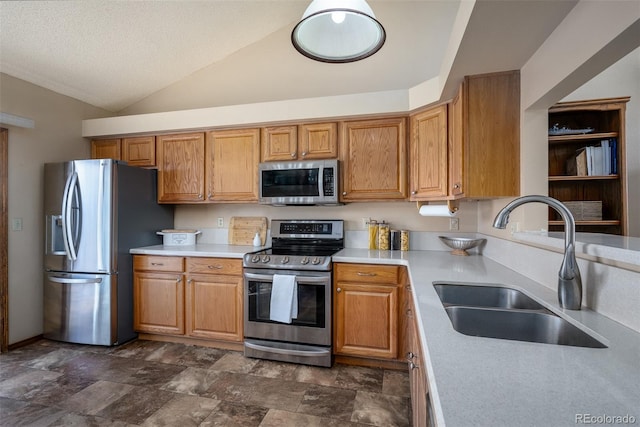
{"points": [[338, 31]]}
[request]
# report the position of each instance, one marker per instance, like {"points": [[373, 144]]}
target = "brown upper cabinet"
{"points": [[221, 167], [136, 151], [106, 149], [471, 147], [374, 159], [232, 165], [181, 172], [429, 153], [139, 151], [303, 142]]}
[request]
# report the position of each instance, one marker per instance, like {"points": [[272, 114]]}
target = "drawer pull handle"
{"points": [[360, 273], [157, 263], [214, 267]]}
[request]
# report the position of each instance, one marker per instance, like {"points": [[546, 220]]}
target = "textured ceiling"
{"points": [[140, 56]]}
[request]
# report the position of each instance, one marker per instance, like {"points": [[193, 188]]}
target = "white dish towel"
{"points": [[284, 298]]}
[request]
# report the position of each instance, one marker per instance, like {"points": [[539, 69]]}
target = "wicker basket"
{"points": [[585, 210]]}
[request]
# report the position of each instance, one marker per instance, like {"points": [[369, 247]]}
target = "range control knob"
{"points": [[284, 260], [316, 260], [304, 261], [255, 258], [266, 258]]}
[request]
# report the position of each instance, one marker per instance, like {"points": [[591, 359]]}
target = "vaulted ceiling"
{"points": [[144, 56]]}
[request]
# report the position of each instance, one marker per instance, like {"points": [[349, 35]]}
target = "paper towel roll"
{"points": [[435, 210]]}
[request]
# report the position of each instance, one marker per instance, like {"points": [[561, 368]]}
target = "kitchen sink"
{"points": [[506, 313], [519, 325], [485, 296]]}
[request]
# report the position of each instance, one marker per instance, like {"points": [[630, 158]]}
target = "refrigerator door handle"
{"points": [[57, 279], [67, 232]]}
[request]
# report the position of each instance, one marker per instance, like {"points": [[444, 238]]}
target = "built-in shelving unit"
{"points": [[600, 195]]}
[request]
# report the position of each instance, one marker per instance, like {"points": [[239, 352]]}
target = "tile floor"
{"points": [[148, 383]]}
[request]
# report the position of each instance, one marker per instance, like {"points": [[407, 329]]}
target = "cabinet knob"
{"points": [[412, 366], [179, 279], [189, 281], [210, 195], [339, 290], [456, 186], [344, 193], [200, 196], [304, 153], [293, 154], [410, 356], [414, 192]]}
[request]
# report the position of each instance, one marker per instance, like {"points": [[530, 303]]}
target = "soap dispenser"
{"points": [[256, 240]]}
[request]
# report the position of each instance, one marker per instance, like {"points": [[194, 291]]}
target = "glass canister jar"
{"points": [[404, 240], [373, 234], [383, 236]]}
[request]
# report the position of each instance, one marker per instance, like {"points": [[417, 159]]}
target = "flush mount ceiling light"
{"points": [[338, 31]]}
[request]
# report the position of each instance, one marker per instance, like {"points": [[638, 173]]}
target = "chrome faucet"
{"points": [[569, 281]]}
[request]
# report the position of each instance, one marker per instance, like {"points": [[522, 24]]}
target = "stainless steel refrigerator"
{"points": [[95, 211]]}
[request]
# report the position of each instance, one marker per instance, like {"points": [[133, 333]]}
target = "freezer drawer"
{"points": [[80, 308]]}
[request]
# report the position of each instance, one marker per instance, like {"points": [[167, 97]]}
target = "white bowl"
{"points": [[460, 244]]}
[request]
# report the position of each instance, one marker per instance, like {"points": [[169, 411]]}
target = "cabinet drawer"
{"points": [[158, 263], [225, 266], [369, 273]]}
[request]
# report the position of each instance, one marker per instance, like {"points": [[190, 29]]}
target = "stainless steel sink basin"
{"points": [[519, 325], [506, 313], [485, 296]]}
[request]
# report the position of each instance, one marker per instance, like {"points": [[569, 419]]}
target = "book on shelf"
{"points": [[596, 160]]}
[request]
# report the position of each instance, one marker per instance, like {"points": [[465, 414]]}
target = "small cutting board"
{"points": [[243, 228]]}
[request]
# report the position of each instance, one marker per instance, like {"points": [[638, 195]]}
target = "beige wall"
{"points": [[56, 137]]}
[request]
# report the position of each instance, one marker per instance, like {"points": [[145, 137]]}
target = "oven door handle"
{"points": [[306, 353], [299, 279]]}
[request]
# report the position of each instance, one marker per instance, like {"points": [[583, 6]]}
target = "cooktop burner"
{"points": [[299, 245]]}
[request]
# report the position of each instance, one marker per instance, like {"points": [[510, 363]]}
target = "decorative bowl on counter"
{"points": [[460, 244]]}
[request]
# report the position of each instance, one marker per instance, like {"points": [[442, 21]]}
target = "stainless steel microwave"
{"points": [[312, 182]]}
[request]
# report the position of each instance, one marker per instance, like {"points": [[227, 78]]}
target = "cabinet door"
{"points": [[214, 307], [491, 133], [318, 141], [429, 154], [158, 303], [374, 159], [366, 320], [106, 149], [139, 151], [456, 146], [232, 165], [417, 371], [279, 143], [181, 168]]}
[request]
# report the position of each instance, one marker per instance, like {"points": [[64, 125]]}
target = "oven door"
{"points": [[313, 324]]}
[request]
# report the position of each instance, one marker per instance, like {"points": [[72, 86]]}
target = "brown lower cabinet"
{"points": [[192, 297], [417, 371], [366, 310]]}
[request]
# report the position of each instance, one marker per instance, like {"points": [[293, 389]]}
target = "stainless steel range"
{"points": [[287, 292]]}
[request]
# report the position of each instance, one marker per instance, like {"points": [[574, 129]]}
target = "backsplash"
{"points": [[611, 291]]}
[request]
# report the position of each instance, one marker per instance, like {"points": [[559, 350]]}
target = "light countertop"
{"points": [[476, 381]]}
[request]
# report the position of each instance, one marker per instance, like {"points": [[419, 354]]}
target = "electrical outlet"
{"points": [[364, 222], [220, 222], [16, 224], [514, 227], [454, 223]]}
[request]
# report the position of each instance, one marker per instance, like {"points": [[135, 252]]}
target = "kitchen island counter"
{"points": [[476, 381]]}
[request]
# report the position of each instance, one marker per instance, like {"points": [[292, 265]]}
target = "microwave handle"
{"points": [[299, 279], [321, 182]]}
